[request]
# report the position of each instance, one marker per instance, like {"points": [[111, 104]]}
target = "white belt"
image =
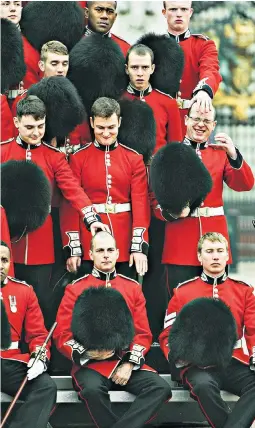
{"points": [[14, 345], [238, 344], [207, 212], [112, 208]]}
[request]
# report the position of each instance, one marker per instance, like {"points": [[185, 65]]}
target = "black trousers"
{"points": [[39, 277], [180, 273], [39, 395], [205, 386], [155, 281], [151, 391]]}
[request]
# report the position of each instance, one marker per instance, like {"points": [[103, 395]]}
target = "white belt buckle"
{"points": [[207, 212], [110, 208]]}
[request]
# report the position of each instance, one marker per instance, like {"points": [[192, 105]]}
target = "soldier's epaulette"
{"points": [[130, 279], [82, 148], [51, 147], [163, 93], [79, 279], [7, 141], [186, 282], [120, 38], [129, 148], [201, 36], [241, 282], [18, 281]]}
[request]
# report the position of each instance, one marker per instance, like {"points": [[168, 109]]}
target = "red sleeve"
{"points": [[5, 236], [174, 129], [32, 57], [238, 175], [249, 320], [140, 207], [7, 125], [35, 331], [171, 313], [63, 336], [209, 69]]}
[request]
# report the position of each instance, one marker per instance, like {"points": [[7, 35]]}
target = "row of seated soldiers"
{"points": [[102, 327]]}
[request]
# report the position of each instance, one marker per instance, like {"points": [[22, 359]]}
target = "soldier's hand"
{"points": [[224, 142], [141, 262], [98, 225], [35, 369], [73, 263], [99, 355], [203, 102], [185, 212], [122, 374]]}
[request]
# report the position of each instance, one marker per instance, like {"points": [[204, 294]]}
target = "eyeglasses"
{"points": [[199, 119]]}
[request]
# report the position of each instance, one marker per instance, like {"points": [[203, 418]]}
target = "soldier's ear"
{"points": [[91, 122], [199, 257], [120, 119], [152, 68], [41, 65], [90, 255], [86, 12], [16, 122]]}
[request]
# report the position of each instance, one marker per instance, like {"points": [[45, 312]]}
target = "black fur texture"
{"points": [[64, 108], [26, 196], [138, 127], [5, 328], [97, 69], [168, 60], [43, 21], [102, 320], [13, 66], [178, 177], [204, 333]]}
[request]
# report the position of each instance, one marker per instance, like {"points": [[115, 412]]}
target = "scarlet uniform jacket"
{"points": [[37, 247], [166, 114], [23, 312], [110, 175], [7, 126], [236, 174], [237, 295], [31, 57], [132, 293], [5, 235], [201, 67]]}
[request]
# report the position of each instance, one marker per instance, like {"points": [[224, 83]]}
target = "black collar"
{"points": [[26, 146], [88, 31], [194, 144], [104, 276], [213, 281], [137, 93], [106, 148], [184, 36]]}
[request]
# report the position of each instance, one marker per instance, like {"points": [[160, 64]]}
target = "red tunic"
{"points": [[23, 312], [166, 114], [182, 235], [5, 235], [117, 176], [7, 125], [237, 295], [132, 293], [37, 247], [32, 57]]}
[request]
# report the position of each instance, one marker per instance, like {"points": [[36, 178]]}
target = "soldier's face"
{"points": [[5, 262], [104, 253], [101, 16], [213, 257], [199, 125], [30, 130], [139, 69], [11, 10], [177, 14], [54, 65], [106, 129]]}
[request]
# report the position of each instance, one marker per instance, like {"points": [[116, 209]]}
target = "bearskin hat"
{"points": [[5, 328], [97, 69], [26, 196], [43, 21], [13, 66], [179, 178], [64, 108], [204, 333], [168, 60], [138, 127], [102, 320]]}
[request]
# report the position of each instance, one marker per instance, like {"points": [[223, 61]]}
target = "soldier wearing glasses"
{"points": [[225, 164]]}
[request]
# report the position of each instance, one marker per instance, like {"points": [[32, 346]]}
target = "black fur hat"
{"points": [[168, 60], [204, 333], [97, 69], [43, 21], [64, 108], [5, 328], [26, 196], [138, 127], [179, 178], [102, 320], [13, 66]]}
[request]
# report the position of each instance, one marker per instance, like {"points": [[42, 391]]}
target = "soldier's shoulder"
{"points": [[18, 281], [200, 36], [190, 281], [128, 148], [4, 143], [48, 146], [81, 149], [163, 93], [237, 281], [77, 281], [119, 38], [129, 279]]}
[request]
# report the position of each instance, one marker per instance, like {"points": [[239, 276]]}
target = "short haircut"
{"points": [[213, 109], [104, 234], [164, 4], [3, 244], [53, 46], [105, 107], [90, 3], [212, 237], [31, 106], [140, 50]]}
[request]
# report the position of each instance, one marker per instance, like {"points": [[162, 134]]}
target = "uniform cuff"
{"points": [[238, 162], [205, 88], [73, 248], [138, 244], [78, 350], [135, 356], [90, 216], [43, 357]]}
